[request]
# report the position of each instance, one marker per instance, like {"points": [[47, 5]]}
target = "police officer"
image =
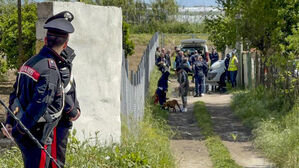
{"points": [[163, 87], [38, 97], [199, 68], [71, 110]]}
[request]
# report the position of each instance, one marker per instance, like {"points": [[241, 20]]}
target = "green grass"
{"points": [[147, 146], [256, 105], [219, 154], [276, 129], [170, 40], [203, 118]]}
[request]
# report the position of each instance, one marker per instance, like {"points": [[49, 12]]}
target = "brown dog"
{"points": [[172, 104]]}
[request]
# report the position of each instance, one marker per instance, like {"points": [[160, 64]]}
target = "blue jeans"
{"points": [[203, 85], [233, 76], [198, 84]]}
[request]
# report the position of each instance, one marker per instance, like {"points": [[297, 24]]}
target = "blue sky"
{"points": [[194, 2]]}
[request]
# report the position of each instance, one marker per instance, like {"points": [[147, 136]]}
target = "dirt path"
{"points": [[235, 136], [188, 145]]}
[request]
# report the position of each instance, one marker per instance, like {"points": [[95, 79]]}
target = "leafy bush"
{"points": [[257, 105], [9, 32], [278, 139], [275, 126], [3, 68], [128, 44], [168, 27]]}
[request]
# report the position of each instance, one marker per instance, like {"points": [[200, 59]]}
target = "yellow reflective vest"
{"points": [[232, 64]]}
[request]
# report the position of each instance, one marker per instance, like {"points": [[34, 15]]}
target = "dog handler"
{"points": [[38, 97], [162, 87]]}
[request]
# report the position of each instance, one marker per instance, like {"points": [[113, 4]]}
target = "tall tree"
{"points": [[162, 9], [20, 43]]}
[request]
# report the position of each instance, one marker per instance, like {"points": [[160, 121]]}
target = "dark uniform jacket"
{"points": [[200, 68], [214, 57], [40, 94], [71, 103], [163, 81], [178, 60]]}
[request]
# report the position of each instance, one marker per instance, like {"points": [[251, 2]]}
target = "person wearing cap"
{"points": [[71, 111], [182, 73], [38, 96], [199, 68]]}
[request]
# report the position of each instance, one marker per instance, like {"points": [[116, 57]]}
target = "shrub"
{"points": [[3, 68], [278, 139], [275, 126], [8, 36]]}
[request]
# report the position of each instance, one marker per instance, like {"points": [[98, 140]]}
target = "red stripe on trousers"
{"points": [[42, 161], [54, 149]]}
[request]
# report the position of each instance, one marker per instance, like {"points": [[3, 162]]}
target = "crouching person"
{"points": [[163, 87]]}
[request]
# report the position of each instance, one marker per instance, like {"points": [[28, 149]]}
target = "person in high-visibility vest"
{"points": [[233, 69]]}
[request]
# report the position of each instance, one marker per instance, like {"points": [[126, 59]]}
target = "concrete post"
{"points": [[97, 42]]}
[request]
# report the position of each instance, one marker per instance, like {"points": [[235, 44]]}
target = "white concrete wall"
{"points": [[97, 42]]}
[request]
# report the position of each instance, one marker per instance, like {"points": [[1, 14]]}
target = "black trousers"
{"points": [[162, 96], [198, 84], [59, 145], [33, 157]]}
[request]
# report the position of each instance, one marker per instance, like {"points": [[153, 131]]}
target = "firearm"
{"points": [[28, 133]]}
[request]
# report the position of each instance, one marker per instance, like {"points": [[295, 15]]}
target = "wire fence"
{"points": [[134, 87]]}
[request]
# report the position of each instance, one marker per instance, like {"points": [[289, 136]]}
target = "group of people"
{"points": [[44, 98], [195, 64]]}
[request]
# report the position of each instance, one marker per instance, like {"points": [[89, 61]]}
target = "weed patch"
{"points": [[275, 127], [218, 152]]}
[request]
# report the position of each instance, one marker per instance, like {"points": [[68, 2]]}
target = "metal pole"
{"points": [[28, 133]]}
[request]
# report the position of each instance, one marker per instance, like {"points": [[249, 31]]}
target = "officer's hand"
{"points": [[9, 129], [76, 117]]}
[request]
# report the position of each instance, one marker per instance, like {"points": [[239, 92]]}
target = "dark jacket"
{"points": [[71, 103], [214, 57], [200, 68], [163, 81], [178, 61], [40, 93], [167, 56], [159, 61], [226, 62]]}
